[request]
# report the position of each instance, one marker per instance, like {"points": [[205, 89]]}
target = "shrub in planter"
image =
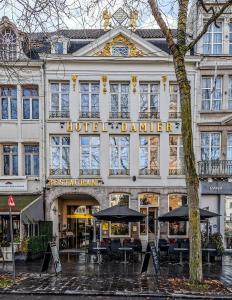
{"points": [[217, 241]]}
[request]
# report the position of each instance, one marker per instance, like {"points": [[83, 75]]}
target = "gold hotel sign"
{"points": [[122, 127], [73, 182]]}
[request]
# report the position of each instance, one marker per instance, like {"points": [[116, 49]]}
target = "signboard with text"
{"points": [[216, 188]]}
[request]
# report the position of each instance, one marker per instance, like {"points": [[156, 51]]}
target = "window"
{"points": [[119, 93], [90, 155], [30, 103], [119, 229], [59, 47], [60, 147], [228, 222], [149, 203], [120, 50], [229, 146], [211, 93], [149, 100], [176, 156], [149, 155], [212, 39], [119, 155], [230, 38], [31, 153], [89, 100], [10, 159], [119, 199], [177, 227], [8, 45], [9, 103], [174, 105], [59, 100], [230, 93], [210, 145]]}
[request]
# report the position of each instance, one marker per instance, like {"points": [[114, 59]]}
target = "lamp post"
{"points": [[12, 204]]}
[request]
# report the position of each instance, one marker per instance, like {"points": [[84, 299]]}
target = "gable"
{"points": [[137, 46]]}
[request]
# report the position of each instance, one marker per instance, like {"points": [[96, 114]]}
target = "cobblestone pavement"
{"points": [[110, 278]]}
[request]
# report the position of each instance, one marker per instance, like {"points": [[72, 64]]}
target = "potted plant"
{"points": [[22, 250], [6, 250], [217, 241]]}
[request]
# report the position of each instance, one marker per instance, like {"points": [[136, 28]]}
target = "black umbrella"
{"points": [[119, 213], [182, 214]]}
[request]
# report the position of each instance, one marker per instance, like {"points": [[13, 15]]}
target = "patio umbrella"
{"points": [[119, 213], [182, 214]]}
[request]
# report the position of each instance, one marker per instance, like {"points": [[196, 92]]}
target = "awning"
{"points": [[119, 213], [30, 207]]}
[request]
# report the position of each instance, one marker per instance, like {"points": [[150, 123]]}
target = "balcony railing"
{"points": [[59, 114], [179, 171], [119, 172], [89, 115], [94, 172], [174, 115], [149, 115], [119, 115], [215, 168], [149, 172], [59, 171]]}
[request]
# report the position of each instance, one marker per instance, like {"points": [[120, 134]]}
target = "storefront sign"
{"points": [[73, 182], [123, 127], [13, 185], [216, 188]]}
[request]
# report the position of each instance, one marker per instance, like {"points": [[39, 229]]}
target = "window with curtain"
{"points": [[60, 151], [119, 95], [210, 145], [119, 155], [31, 156], [30, 103], [59, 106], [211, 93], [89, 155], [212, 39], [149, 100], [177, 228], [10, 159], [149, 155], [176, 156], [89, 93], [174, 104], [229, 146], [8, 102]]}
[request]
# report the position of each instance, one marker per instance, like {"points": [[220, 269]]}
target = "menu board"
{"points": [[51, 252], [151, 251]]}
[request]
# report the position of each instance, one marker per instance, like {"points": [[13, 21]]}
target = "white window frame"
{"points": [[120, 93], [230, 87], [228, 145], [210, 143], [90, 152], [178, 108], [149, 94], [60, 95], [90, 95], [60, 146], [31, 154], [31, 98], [179, 145], [9, 103], [211, 31], [10, 159], [212, 84]]}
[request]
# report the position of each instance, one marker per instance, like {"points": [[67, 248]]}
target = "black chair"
{"points": [[137, 246], [91, 250], [163, 246], [114, 248], [172, 254]]}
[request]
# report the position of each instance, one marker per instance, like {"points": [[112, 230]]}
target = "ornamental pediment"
{"points": [[120, 42]]}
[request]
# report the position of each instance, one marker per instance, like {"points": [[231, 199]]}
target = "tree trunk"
{"points": [[192, 183]]}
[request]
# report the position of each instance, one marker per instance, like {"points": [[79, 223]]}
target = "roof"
{"points": [[21, 201]]}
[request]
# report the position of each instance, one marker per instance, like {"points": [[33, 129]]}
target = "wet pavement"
{"points": [[80, 276]]}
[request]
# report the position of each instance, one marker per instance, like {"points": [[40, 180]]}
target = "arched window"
{"points": [[8, 44]]}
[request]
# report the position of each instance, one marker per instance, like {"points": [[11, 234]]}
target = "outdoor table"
{"points": [[181, 250], [99, 258], [208, 253], [125, 249]]}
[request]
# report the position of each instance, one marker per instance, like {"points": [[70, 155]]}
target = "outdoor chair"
{"points": [[137, 246], [172, 255], [106, 254], [163, 246], [91, 251], [114, 247]]}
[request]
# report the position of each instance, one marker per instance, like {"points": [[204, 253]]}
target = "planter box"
{"points": [[7, 252]]}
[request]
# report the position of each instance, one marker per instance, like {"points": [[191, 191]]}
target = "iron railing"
{"points": [[215, 168], [119, 172], [179, 171], [119, 115], [94, 172], [59, 171], [149, 115], [149, 172], [89, 115], [59, 114], [174, 115]]}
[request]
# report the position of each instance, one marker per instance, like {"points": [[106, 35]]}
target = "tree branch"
{"points": [[207, 24], [182, 24], [163, 26]]}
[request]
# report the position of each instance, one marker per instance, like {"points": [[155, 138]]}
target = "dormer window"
{"points": [[120, 50], [59, 48], [8, 44]]}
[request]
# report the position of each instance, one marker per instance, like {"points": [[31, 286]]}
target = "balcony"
{"points": [[89, 115], [59, 172], [215, 168], [174, 115], [59, 114], [119, 115], [93, 172], [149, 172], [119, 172], [179, 171], [149, 115]]}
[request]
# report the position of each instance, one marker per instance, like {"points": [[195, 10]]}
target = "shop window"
{"points": [[149, 203], [177, 228], [119, 229]]}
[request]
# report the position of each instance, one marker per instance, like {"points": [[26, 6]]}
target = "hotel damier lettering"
{"points": [[124, 127]]}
